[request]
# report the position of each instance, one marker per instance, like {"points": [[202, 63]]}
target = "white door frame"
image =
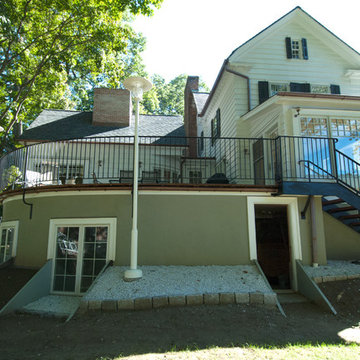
{"points": [[293, 224]]}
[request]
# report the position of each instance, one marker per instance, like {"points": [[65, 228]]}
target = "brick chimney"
{"points": [[112, 107], [190, 113]]}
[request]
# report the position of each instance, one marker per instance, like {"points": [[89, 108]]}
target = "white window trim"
{"points": [[15, 225], [293, 224], [111, 222], [300, 50]]}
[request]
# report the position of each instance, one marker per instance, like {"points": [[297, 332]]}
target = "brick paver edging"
{"points": [[321, 279], [181, 300]]}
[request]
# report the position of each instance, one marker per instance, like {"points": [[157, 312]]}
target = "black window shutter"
{"points": [[335, 89], [306, 88], [304, 49], [218, 123], [297, 87], [263, 91], [288, 47]]}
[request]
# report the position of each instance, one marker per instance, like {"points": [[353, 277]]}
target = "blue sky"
{"points": [[195, 36]]}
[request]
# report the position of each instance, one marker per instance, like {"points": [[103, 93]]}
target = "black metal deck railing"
{"points": [[182, 160]]}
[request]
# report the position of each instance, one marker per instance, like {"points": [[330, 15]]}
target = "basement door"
{"points": [[272, 242], [80, 255]]}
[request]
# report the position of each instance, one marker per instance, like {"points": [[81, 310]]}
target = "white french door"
{"points": [[80, 252]]}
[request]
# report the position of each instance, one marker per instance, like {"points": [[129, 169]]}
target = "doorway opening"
{"points": [[272, 244]]}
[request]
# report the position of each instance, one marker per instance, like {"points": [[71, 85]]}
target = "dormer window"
{"points": [[296, 48]]}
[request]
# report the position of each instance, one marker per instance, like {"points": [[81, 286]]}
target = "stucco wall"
{"points": [[173, 229], [342, 242]]}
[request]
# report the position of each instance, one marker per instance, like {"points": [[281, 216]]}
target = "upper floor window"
{"points": [[267, 89], [346, 130], [320, 89], [215, 127], [275, 88], [296, 48]]}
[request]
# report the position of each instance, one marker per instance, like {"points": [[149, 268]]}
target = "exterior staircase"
{"points": [[343, 211], [339, 187]]}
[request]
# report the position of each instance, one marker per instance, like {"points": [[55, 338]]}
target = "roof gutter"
{"points": [[222, 70]]}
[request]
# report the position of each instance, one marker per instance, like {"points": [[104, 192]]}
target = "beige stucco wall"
{"points": [[174, 229], [342, 242]]}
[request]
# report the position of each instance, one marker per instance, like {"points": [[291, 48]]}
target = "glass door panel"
{"points": [[94, 254], [3, 245], [6, 244], [66, 259], [9, 245]]}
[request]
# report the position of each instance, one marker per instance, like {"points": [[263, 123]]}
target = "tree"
{"points": [[50, 49], [167, 98]]}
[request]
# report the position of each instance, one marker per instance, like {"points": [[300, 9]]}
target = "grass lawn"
{"points": [[293, 352]]}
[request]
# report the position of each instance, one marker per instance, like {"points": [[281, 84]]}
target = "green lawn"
{"points": [[293, 352]]}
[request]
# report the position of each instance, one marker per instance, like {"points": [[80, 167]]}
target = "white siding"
{"points": [[231, 98], [269, 63]]}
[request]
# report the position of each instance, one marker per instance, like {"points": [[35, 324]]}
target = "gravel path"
{"points": [[177, 280], [333, 268]]}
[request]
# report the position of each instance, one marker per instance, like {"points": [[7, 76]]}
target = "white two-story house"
{"points": [[257, 171]]}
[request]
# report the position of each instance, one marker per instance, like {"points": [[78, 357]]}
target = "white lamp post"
{"points": [[137, 86]]}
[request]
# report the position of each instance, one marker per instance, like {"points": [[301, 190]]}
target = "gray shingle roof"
{"points": [[64, 124], [200, 100]]}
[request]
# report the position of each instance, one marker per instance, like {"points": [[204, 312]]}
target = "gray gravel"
{"points": [[177, 280], [57, 305], [333, 268]]}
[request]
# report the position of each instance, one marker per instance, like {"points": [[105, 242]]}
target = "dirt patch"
{"points": [[108, 335], [11, 281], [344, 296]]}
